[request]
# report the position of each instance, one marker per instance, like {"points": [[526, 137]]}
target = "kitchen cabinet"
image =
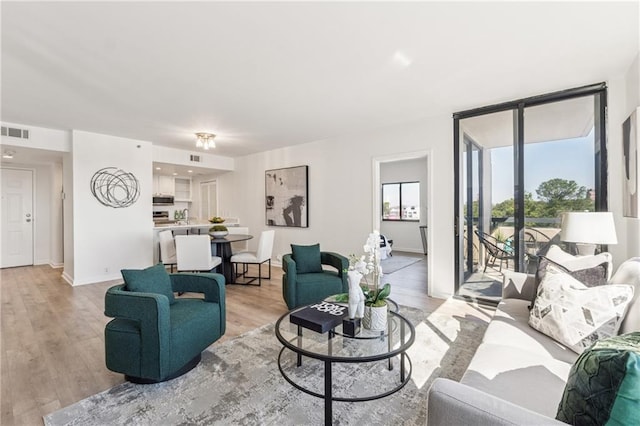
{"points": [[163, 185], [182, 189]]}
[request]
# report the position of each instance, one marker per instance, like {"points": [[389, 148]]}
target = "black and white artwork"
{"points": [[286, 197], [630, 166], [115, 188]]}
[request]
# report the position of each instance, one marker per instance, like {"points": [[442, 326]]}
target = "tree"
{"points": [[557, 190], [554, 197], [558, 195]]}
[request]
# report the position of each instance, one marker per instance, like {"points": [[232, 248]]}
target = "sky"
{"points": [[570, 159]]}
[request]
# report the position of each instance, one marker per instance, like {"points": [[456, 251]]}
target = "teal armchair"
{"points": [[155, 337], [300, 289]]}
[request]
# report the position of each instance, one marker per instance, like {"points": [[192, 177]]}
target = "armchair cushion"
{"points": [[307, 258], [154, 279]]}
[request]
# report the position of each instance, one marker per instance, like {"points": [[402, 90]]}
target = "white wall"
{"points": [[107, 239], [163, 154], [42, 214], [56, 244], [40, 138], [406, 235], [341, 189], [624, 97], [67, 220]]}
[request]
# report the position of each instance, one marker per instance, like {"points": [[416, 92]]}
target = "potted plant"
{"points": [[216, 219], [218, 231]]}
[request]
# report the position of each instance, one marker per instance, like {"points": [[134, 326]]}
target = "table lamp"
{"points": [[587, 229]]}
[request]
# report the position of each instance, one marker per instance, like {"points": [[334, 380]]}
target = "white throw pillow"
{"points": [[576, 315]]}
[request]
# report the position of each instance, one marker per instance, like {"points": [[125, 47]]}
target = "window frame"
{"points": [[402, 218], [599, 92]]}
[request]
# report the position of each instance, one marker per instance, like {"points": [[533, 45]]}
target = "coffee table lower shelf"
{"points": [[400, 331], [328, 381]]}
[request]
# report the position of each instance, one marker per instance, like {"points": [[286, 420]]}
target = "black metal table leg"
{"points": [[328, 399], [389, 340], [299, 357], [403, 354]]}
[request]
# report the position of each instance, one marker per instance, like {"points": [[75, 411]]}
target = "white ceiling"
{"points": [[265, 75]]}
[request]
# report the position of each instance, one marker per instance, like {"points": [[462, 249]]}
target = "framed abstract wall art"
{"points": [[287, 197], [630, 166]]}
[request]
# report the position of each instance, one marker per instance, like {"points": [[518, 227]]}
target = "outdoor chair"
{"points": [[493, 251]]}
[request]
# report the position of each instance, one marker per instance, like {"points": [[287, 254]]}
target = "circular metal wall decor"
{"points": [[115, 188]]}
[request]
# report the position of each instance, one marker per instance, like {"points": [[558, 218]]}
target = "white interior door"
{"points": [[208, 199], [17, 218]]}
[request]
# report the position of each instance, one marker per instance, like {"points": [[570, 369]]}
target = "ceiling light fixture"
{"points": [[205, 140], [8, 153]]}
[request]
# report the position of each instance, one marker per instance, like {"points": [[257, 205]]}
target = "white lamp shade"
{"points": [[588, 227]]}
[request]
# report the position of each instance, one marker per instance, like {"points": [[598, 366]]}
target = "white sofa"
{"points": [[518, 374]]}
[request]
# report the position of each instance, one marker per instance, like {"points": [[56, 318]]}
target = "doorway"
{"points": [[402, 223], [518, 167], [17, 217]]}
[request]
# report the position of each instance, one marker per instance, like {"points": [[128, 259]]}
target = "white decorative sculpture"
{"points": [[356, 296]]}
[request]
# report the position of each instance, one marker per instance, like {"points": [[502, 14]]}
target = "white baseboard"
{"points": [[407, 250], [68, 278], [56, 265]]}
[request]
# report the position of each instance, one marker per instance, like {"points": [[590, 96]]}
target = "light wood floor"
{"points": [[52, 343]]}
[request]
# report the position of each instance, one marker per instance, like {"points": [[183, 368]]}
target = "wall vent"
{"points": [[195, 158], [15, 132]]}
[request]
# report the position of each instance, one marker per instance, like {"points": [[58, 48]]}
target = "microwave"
{"points": [[163, 200]]}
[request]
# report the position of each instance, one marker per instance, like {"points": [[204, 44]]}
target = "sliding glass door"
{"points": [[518, 166]]}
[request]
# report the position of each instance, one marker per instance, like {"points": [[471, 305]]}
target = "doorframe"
{"points": [[376, 196], [598, 91], [34, 207]]}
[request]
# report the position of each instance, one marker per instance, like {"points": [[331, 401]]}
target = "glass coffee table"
{"points": [[334, 349]]}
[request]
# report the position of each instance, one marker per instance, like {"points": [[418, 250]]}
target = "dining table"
{"points": [[221, 247]]}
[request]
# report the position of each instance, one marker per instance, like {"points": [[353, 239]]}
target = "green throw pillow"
{"points": [[307, 258], [604, 384], [151, 280]]}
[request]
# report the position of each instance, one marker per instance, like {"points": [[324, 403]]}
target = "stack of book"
{"points": [[320, 317]]}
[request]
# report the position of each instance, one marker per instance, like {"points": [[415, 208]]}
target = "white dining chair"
{"points": [[260, 256], [193, 253], [239, 246], [167, 248]]}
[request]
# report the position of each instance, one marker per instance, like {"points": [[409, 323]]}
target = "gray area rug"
{"points": [[238, 383], [395, 263]]}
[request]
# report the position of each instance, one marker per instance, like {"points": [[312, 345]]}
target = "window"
{"points": [[401, 201]]}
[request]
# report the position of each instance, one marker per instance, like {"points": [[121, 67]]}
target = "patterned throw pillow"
{"points": [[575, 315], [604, 384], [589, 270]]}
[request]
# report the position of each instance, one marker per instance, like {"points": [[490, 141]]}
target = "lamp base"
{"points": [[585, 249]]}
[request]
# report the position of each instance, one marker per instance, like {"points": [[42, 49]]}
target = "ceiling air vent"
{"points": [[15, 133], [195, 158]]}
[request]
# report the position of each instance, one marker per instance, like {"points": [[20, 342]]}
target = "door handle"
{"points": [[28, 220]]}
